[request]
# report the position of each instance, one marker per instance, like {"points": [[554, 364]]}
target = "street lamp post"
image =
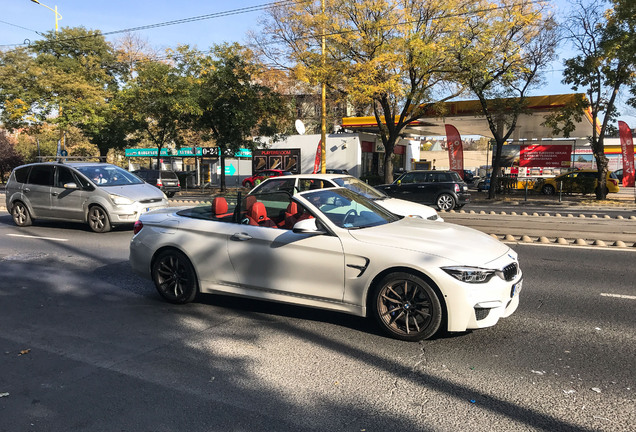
{"points": [[57, 14]]}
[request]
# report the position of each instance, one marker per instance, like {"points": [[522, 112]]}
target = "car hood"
{"points": [[406, 208], [135, 192], [462, 245]]}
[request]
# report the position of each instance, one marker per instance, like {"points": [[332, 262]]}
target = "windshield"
{"points": [[109, 175], [347, 209], [357, 185]]}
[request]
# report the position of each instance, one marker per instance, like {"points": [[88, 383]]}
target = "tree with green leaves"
{"points": [[499, 55], [234, 106], [389, 55], [605, 62], [158, 103], [65, 80]]}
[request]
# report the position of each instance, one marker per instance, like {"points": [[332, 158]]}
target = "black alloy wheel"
{"points": [[98, 219], [174, 277], [548, 190], [406, 307], [21, 215]]}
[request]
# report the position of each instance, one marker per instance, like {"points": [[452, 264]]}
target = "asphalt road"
{"points": [[85, 345]]}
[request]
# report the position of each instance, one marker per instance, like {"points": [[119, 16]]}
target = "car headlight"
{"points": [[415, 216], [470, 274], [120, 200]]}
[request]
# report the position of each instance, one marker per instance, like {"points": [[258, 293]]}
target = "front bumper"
{"points": [[480, 305], [131, 213]]}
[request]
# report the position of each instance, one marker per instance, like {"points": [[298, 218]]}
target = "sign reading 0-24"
{"points": [[209, 151]]}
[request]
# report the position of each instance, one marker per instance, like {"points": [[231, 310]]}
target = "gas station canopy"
{"points": [[468, 118]]}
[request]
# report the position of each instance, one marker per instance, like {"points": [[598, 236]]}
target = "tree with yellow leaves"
{"points": [[388, 55]]}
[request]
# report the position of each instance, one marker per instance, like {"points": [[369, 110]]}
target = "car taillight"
{"points": [[457, 187], [138, 226], [614, 182], [159, 182], [178, 183]]}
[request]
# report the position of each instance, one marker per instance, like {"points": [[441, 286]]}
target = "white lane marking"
{"points": [[619, 296], [37, 237]]}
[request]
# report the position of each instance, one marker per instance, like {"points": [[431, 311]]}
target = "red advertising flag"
{"points": [[318, 158], [627, 146], [455, 150]]}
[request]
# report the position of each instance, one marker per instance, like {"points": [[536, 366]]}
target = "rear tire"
{"points": [[98, 219], [170, 194], [174, 277], [21, 215], [445, 202], [406, 307]]}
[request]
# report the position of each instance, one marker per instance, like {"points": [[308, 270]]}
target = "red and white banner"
{"points": [[318, 159], [627, 147], [545, 156], [455, 150]]}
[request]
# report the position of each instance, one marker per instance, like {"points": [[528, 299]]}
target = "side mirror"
{"points": [[307, 226], [71, 186]]}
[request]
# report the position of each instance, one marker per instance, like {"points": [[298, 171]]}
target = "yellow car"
{"points": [[580, 181]]}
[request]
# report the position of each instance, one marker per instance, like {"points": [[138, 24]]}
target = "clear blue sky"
{"points": [[22, 20]]}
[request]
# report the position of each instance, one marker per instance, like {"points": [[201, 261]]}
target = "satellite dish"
{"points": [[300, 127]]}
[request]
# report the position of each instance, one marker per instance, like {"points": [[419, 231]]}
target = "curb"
{"points": [[535, 214], [560, 241]]}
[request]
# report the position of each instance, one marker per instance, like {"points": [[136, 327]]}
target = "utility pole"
{"points": [[323, 110]]}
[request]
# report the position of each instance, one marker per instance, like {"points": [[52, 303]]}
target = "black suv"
{"points": [[167, 181], [445, 189]]}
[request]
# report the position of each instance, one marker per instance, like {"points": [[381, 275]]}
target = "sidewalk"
{"points": [[624, 198]]}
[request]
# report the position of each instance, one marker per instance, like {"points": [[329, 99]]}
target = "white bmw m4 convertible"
{"points": [[331, 249]]}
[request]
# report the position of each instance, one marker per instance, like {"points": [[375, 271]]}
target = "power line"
{"points": [[222, 14], [18, 26]]}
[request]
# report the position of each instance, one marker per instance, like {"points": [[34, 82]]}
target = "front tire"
{"points": [[21, 215], [98, 220], [445, 202], [174, 277], [406, 307], [548, 190]]}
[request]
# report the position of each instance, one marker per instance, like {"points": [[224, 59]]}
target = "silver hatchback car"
{"points": [[100, 194]]}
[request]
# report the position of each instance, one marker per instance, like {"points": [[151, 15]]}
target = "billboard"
{"points": [[546, 156], [281, 159]]}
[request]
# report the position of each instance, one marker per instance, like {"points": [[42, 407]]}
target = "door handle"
{"points": [[54, 193], [27, 190], [241, 236]]}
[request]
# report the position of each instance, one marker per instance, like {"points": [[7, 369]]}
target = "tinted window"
{"points": [[21, 174], [441, 177], [41, 175], [64, 175], [407, 178], [311, 184], [453, 176], [169, 175], [421, 177], [271, 185]]}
